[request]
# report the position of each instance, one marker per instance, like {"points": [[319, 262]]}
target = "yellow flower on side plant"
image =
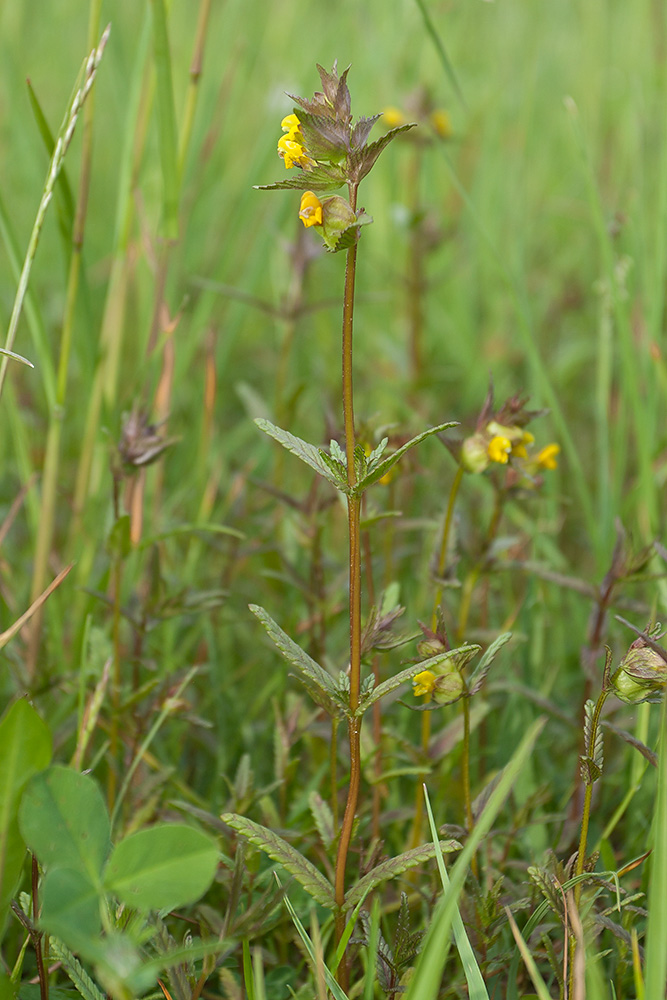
{"points": [[498, 449], [424, 683], [546, 458], [310, 211], [393, 117]]}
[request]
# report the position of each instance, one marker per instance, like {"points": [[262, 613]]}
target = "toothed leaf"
{"points": [[306, 874]]}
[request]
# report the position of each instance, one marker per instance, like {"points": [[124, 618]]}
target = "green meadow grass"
{"points": [[543, 268]]}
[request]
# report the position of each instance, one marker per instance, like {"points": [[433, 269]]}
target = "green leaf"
{"points": [[64, 821], [318, 682], [78, 975], [163, 867], [292, 860], [386, 464], [482, 668], [308, 453], [71, 909], [462, 654], [64, 196], [396, 866], [166, 120], [25, 747], [321, 812], [361, 161], [311, 181]]}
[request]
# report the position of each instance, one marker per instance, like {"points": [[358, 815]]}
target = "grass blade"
{"points": [[425, 983], [476, 986]]}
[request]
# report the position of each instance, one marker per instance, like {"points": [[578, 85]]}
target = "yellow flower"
{"points": [[393, 117], [290, 123], [441, 123], [310, 211], [424, 683], [294, 153], [547, 456], [499, 448]]}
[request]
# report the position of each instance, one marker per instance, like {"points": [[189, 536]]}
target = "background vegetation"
{"points": [[526, 245]]}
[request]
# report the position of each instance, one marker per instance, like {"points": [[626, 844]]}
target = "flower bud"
{"points": [[448, 687], [641, 676], [474, 457]]}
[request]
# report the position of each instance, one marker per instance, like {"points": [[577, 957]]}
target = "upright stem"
{"points": [[589, 750], [353, 517]]}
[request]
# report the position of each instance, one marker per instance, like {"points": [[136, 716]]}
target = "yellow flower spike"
{"points": [[424, 683], [393, 117], [499, 448], [546, 458], [310, 211]]}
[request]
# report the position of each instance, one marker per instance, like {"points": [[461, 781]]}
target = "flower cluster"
{"points": [[331, 151], [437, 119], [500, 443], [501, 438]]}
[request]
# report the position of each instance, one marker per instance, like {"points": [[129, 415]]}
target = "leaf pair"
{"points": [[317, 885], [332, 465]]}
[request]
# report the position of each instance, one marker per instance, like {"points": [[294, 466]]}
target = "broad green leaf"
{"points": [[292, 860], [64, 821], [396, 866], [319, 683], [308, 453], [162, 867], [388, 463], [71, 909], [461, 653], [25, 747]]}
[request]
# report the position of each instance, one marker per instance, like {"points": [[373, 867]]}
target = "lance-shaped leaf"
{"points": [[313, 181], [396, 866], [292, 860], [307, 452], [319, 684], [376, 472], [462, 655], [484, 665], [361, 161]]}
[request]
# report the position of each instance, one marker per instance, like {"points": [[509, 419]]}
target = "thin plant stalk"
{"points": [[585, 820], [377, 709], [353, 515]]}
